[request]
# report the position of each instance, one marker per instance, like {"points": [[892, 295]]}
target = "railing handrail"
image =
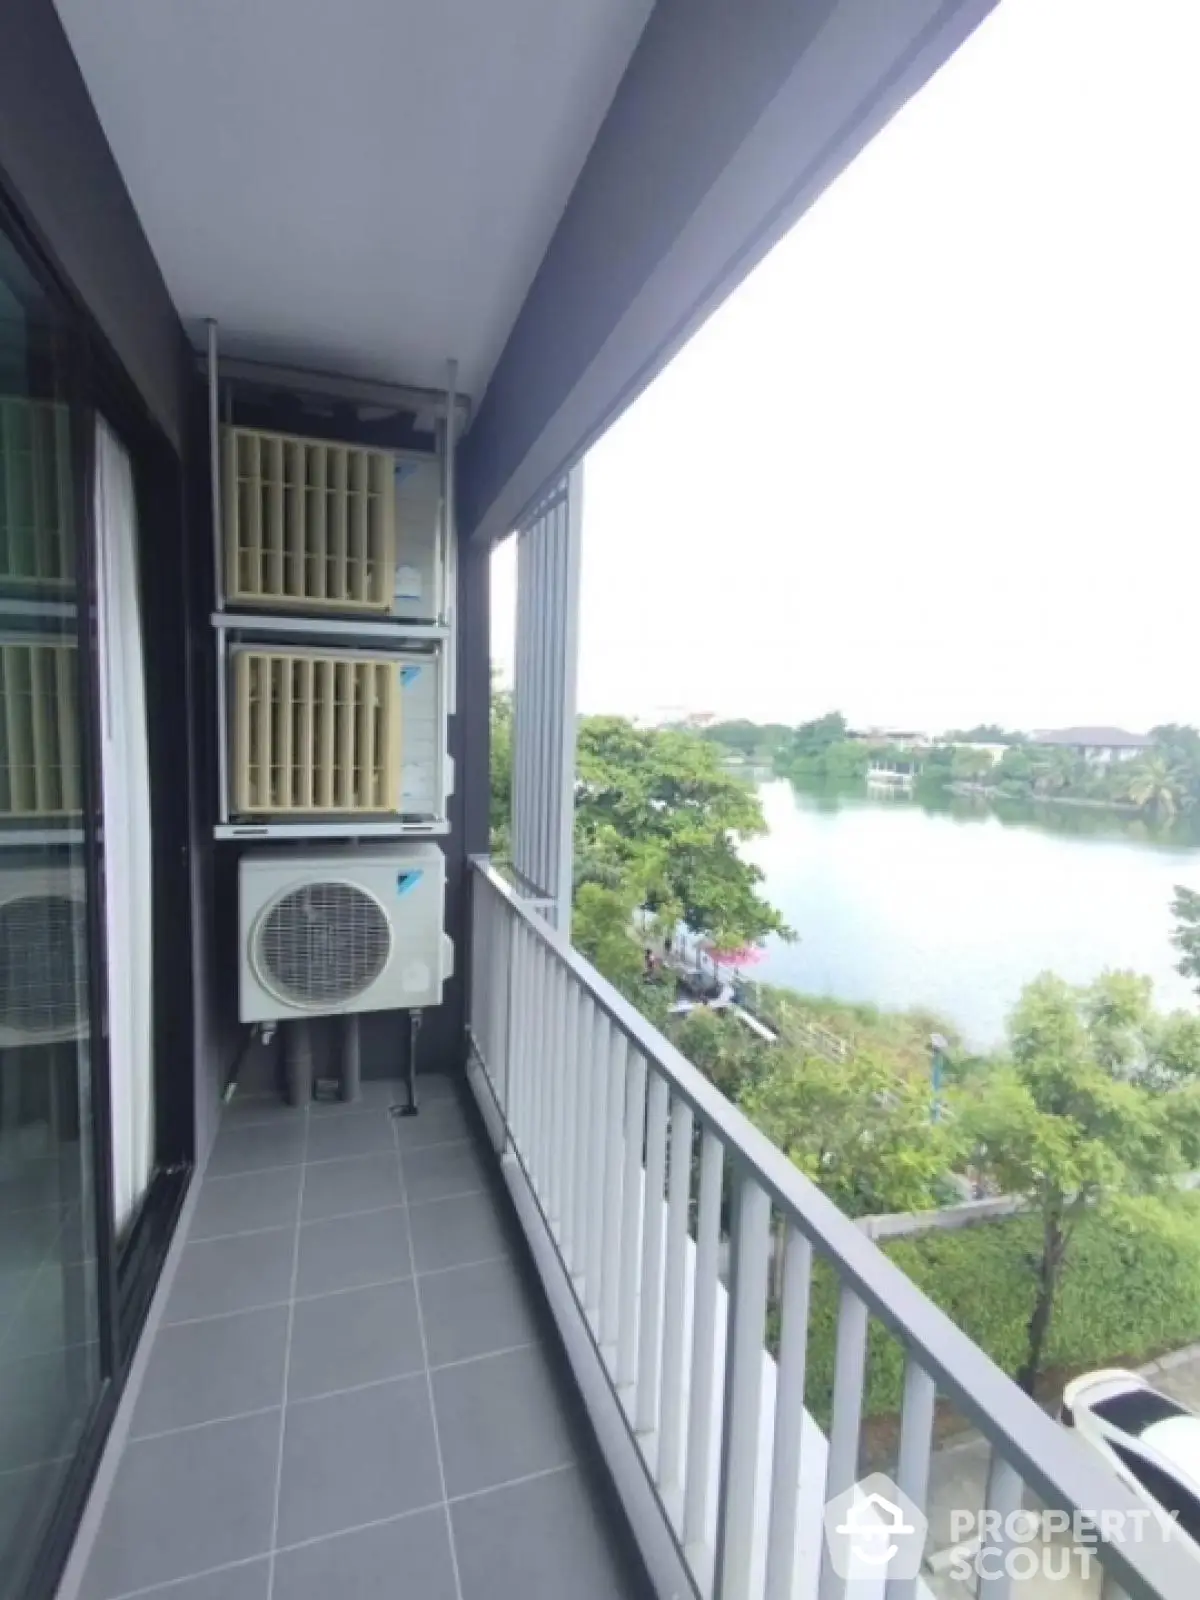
{"points": [[1053, 1464]]}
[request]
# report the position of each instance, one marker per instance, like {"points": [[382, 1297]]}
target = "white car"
{"points": [[1150, 1441]]}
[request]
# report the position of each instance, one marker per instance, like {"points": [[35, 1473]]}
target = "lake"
{"points": [[952, 904]]}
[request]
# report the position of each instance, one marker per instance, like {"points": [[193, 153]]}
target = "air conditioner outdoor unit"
{"points": [[37, 543], [337, 733], [40, 773], [334, 931], [43, 955], [309, 525]]}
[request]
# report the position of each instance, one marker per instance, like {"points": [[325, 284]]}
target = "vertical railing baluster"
{"points": [[570, 1121], [738, 1494], [848, 1373], [649, 1335], [789, 1416], [614, 1162], [520, 1038], [697, 1497], [583, 1134], [554, 1062], [913, 1457], [632, 1243], [1005, 1492], [597, 1104], [679, 1194], [506, 976], [536, 1057]]}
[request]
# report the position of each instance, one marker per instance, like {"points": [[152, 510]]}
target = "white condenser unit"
{"points": [[335, 931], [337, 733], [43, 955]]}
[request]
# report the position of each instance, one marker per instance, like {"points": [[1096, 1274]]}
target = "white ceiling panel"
{"points": [[365, 186]]}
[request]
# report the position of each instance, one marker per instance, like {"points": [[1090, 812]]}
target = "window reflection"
{"points": [[49, 1318]]}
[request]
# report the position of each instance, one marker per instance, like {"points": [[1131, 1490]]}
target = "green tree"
{"points": [[500, 807], [863, 1132], [1155, 787], [658, 806], [969, 766], [1185, 908], [601, 928], [1087, 1106]]}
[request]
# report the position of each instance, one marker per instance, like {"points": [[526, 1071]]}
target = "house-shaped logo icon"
{"points": [[874, 1529]]}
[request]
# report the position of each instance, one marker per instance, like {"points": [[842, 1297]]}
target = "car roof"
{"points": [[1177, 1443], [1134, 1411]]}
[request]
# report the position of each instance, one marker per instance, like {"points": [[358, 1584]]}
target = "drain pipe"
{"points": [[298, 1056], [350, 1084]]}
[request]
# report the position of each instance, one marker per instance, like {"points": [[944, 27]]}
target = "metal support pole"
{"points": [[350, 1083], [410, 1108], [298, 1056]]}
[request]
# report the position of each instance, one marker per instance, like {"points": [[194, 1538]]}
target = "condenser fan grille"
{"points": [[41, 963], [323, 945]]}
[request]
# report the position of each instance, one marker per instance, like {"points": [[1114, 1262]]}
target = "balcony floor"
{"points": [[355, 1388]]}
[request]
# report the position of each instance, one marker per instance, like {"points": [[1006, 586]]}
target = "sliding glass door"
{"points": [[53, 1354]]}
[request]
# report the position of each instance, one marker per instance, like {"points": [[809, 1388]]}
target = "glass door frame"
{"points": [[127, 1271]]}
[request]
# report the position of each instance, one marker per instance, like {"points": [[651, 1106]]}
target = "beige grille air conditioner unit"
{"points": [[308, 525], [315, 734], [37, 546], [39, 730]]}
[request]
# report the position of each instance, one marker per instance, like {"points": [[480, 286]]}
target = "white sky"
{"points": [[938, 460]]}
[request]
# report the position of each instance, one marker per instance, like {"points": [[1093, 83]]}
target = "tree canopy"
{"points": [[1097, 1096], [657, 806]]}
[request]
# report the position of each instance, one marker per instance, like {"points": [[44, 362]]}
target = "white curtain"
{"points": [[126, 799]]}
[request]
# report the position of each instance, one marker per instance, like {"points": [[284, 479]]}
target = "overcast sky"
{"points": [[938, 460]]}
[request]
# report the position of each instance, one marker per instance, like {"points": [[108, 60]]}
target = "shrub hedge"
{"points": [[1131, 1291]]}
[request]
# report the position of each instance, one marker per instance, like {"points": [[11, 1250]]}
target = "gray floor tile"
{"points": [[359, 1183], [541, 1540], [361, 1133], [357, 1458], [499, 1418], [380, 1094], [249, 1580], [357, 1337], [475, 1310], [408, 1559], [235, 1274], [44, 1402], [273, 1144], [206, 1370], [25, 1501], [441, 1170], [29, 1237], [57, 1310], [253, 1200], [349, 1252], [450, 1233], [246, 1110], [184, 1503], [441, 1121]]}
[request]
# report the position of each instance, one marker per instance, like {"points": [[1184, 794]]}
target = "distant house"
{"points": [[1099, 745]]}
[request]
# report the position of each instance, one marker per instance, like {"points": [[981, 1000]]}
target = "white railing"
{"points": [[646, 1180]]}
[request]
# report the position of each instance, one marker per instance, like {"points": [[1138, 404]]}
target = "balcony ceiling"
{"points": [[367, 186]]}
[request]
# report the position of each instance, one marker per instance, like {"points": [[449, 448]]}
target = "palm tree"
{"points": [[1154, 786]]}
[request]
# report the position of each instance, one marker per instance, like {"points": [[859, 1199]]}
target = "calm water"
{"points": [[946, 904]]}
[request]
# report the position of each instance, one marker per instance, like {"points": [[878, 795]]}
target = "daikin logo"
{"points": [[406, 882]]}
